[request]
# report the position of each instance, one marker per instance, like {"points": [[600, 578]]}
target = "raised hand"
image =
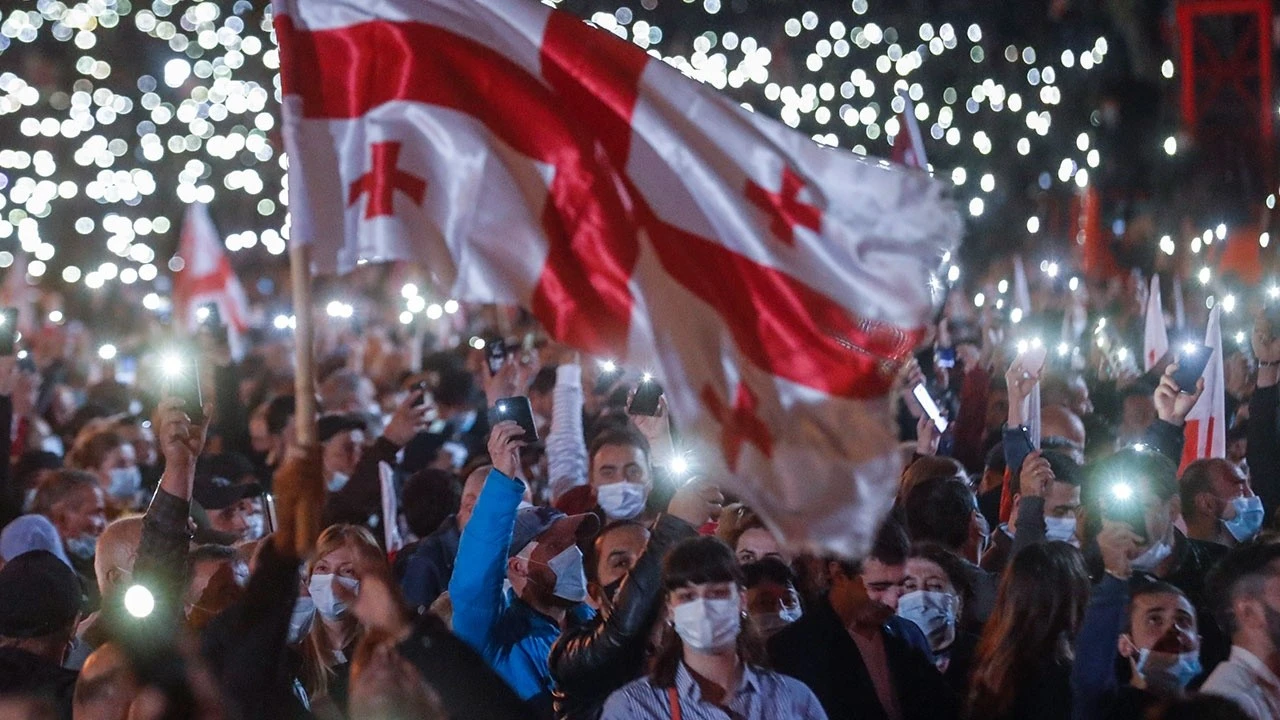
{"points": [[1173, 405], [181, 440], [505, 440], [409, 419], [697, 502]]}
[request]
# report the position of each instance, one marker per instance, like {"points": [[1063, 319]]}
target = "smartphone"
{"points": [[423, 388], [8, 330], [517, 409], [495, 355], [945, 357], [273, 522], [1034, 356], [606, 378], [1121, 504], [1192, 361], [183, 381], [645, 401], [930, 407]]}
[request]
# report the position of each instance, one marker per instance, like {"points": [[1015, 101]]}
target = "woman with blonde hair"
{"points": [[344, 554]]}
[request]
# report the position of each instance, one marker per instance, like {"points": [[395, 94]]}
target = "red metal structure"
{"points": [[1226, 76]]}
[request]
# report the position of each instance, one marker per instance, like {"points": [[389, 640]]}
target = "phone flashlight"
{"points": [[1122, 491], [930, 407]]}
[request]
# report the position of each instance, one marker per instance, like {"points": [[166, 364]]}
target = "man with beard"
{"points": [[1246, 586]]}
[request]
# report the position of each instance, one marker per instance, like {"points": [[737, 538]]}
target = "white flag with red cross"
{"points": [[1206, 428], [207, 278], [1155, 340], [526, 158]]}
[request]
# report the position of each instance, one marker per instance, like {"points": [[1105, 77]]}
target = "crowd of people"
{"points": [[428, 559]]}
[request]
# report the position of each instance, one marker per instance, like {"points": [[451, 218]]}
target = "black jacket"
{"points": [[469, 689], [22, 673], [592, 660], [1264, 446], [818, 651], [1194, 559]]}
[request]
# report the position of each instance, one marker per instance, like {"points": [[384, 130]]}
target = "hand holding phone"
{"points": [[1192, 361], [1121, 503], [518, 410], [182, 380], [646, 399], [930, 407]]}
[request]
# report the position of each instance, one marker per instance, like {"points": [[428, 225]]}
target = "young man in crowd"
{"points": [[1245, 588], [1046, 501], [429, 567], [1218, 505], [39, 607]]}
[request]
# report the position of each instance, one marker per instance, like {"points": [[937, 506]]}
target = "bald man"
{"points": [[427, 571], [106, 686], [113, 560]]}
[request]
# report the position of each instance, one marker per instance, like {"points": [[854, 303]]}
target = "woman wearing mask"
{"points": [[1022, 668], [344, 554], [935, 592], [111, 458], [709, 659], [772, 598]]}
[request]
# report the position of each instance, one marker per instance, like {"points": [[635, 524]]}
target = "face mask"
{"points": [[771, 622], [304, 611], [1153, 556], [338, 481], [1248, 519], [934, 613], [327, 604], [83, 546], [709, 625], [1061, 529], [571, 580], [125, 483], [622, 500], [53, 444], [257, 526], [1168, 669]]}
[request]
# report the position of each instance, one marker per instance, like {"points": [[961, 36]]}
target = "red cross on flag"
{"points": [[1206, 428], [1155, 339], [772, 284], [207, 277]]}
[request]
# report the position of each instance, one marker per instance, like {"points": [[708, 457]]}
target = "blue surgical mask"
{"points": [[571, 580], [1167, 668], [1248, 519], [126, 483], [304, 611], [1061, 529], [83, 546]]}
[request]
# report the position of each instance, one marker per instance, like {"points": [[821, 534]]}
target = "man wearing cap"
{"points": [[225, 489], [39, 607], [536, 548]]}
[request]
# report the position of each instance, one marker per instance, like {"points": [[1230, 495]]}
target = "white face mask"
{"points": [[83, 546], [304, 611], [53, 444], [257, 526], [1155, 554], [1061, 529], [571, 579], [934, 613], [326, 602], [337, 482], [1248, 519], [622, 500], [126, 483], [709, 625]]}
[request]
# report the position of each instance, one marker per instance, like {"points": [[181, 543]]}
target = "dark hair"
{"points": [[429, 496], [544, 382], [995, 459], [735, 520], [1143, 585], [211, 551], [1200, 707], [1152, 467], [591, 554], [621, 435], [890, 548], [931, 467], [1198, 478], [1038, 610], [940, 510], [58, 485], [455, 388], [1065, 470], [770, 569], [696, 561], [279, 410], [950, 563], [1242, 571]]}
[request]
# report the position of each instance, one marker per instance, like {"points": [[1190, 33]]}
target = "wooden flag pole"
{"points": [[304, 378]]}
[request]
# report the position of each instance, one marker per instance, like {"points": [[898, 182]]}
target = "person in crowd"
{"points": [[935, 590], [428, 499], [772, 598], [859, 658], [226, 490], [1245, 587], [344, 554], [991, 486], [744, 531], [138, 432], [1044, 508], [105, 688], [945, 511], [111, 459], [429, 565], [709, 659], [1022, 666], [1218, 504], [537, 550], [1263, 450], [624, 578], [113, 561], [347, 391], [39, 607], [75, 503], [31, 532], [341, 444], [270, 428], [1149, 624]]}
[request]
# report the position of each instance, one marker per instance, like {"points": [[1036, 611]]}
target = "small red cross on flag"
{"points": [[739, 424], [784, 208], [383, 180]]}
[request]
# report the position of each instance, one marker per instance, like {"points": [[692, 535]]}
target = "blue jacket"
{"points": [[1093, 675], [428, 569], [512, 637]]}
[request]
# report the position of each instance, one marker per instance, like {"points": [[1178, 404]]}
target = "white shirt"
{"points": [[1249, 682]]}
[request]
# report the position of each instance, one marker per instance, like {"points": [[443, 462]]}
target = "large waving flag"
{"points": [[1206, 428], [526, 158], [908, 144], [1155, 340], [207, 278]]}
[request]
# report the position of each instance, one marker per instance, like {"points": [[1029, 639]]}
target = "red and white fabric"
{"points": [[1021, 288], [1155, 339], [908, 144], [1206, 428], [526, 158], [207, 277]]}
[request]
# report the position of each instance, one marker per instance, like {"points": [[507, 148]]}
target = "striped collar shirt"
{"points": [[761, 694]]}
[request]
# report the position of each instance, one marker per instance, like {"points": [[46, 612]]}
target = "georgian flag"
{"points": [[1155, 340], [1206, 428], [207, 277], [526, 158]]}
